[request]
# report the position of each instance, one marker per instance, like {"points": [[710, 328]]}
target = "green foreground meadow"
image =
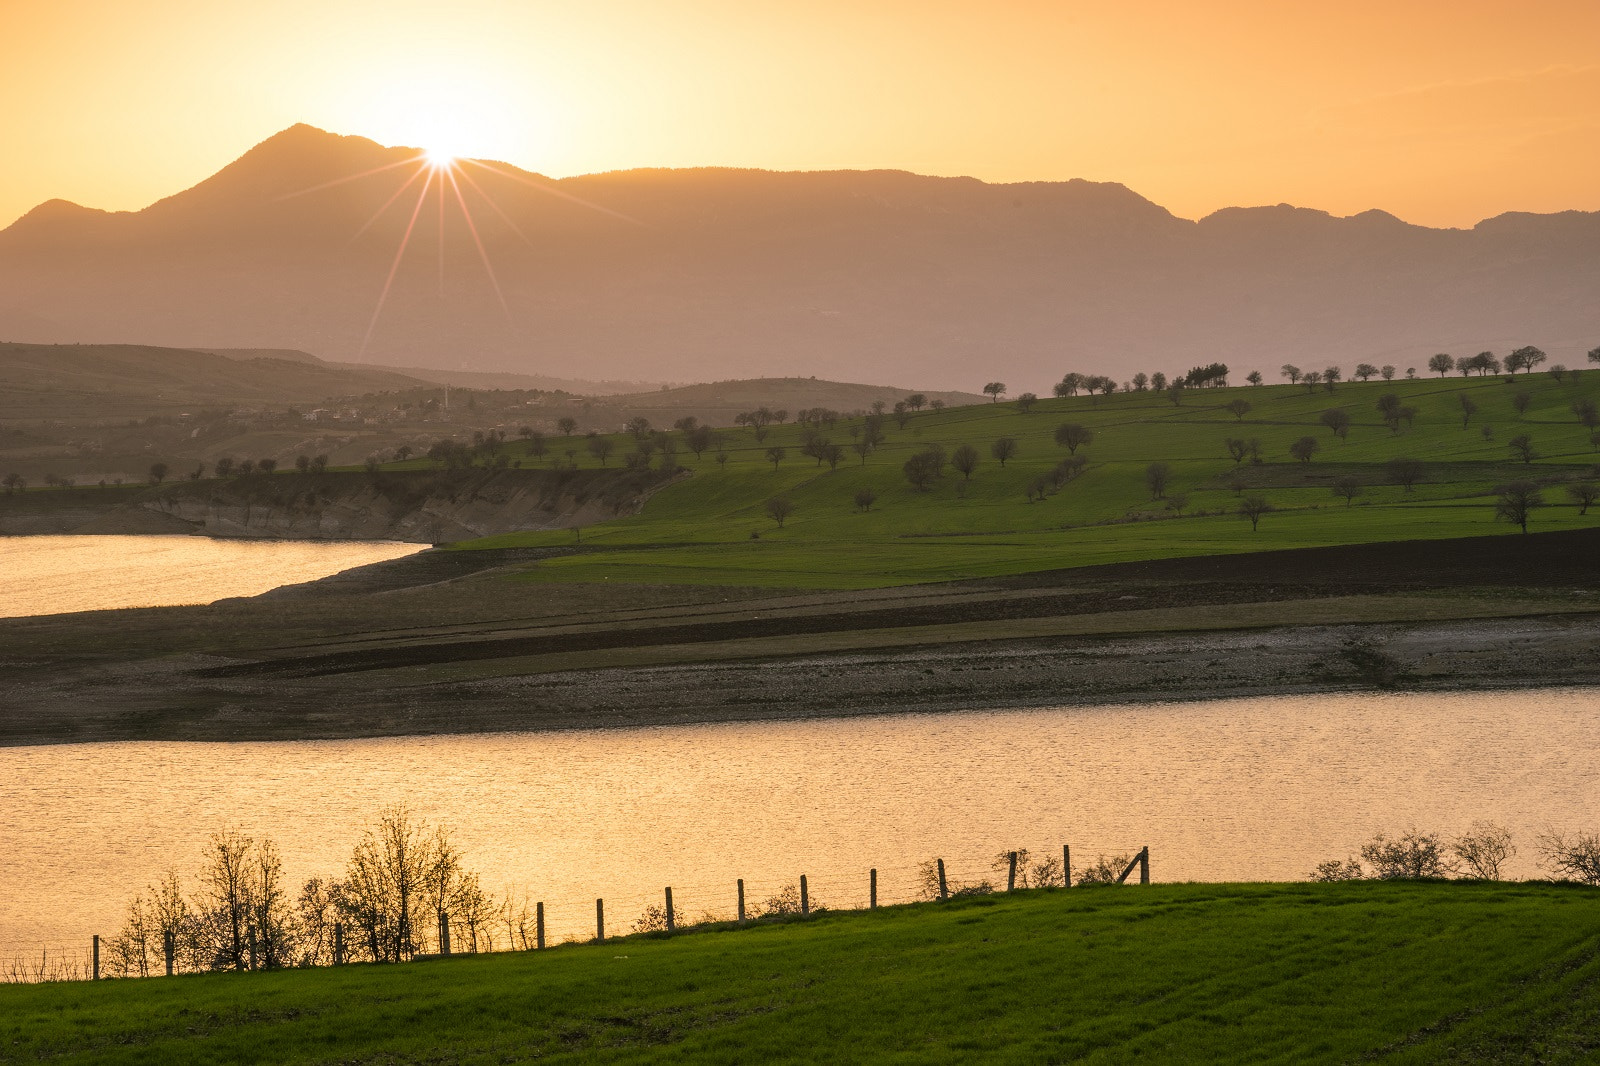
{"points": [[1398, 971], [713, 527]]}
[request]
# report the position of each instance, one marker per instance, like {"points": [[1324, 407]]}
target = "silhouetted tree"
{"points": [[1141, 381], [1158, 382], [601, 448], [302, 463], [1387, 373], [1175, 393], [1522, 447], [1348, 487], [1254, 377], [1290, 371], [267, 466], [1442, 364], [916, 401], [1526, 358], [1238, 408], [568, 426], [1364, 371], [158, 473], [995, 390], [1515, 502], [1026, 401], [1003, 449], [902, 414]]}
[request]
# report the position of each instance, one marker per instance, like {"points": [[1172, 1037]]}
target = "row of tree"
{"points": [[402, 879], [1482, 853]]}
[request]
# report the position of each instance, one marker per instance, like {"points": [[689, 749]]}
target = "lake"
{"points": [[1251, 789], [53, 575]]}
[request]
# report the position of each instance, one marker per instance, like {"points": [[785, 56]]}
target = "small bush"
{"points": [[1104, 871], [1338, 870], [1413, 854], [1574, 857]]}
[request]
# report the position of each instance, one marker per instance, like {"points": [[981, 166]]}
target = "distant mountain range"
{"points": [[713, 273]]}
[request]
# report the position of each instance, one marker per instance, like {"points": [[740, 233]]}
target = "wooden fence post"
{"points": [[1066, 866], [167, 947], [671, 925], [872, 894], [944, 887], [1144, 865], [444, 933], [250, 939], [805, 900], [600, 920], [741, 901], [1011, 875], [338, 943], [538, 926], [96, 957]]}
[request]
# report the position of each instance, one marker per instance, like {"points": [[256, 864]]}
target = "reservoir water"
{"points": [[53, 575], [1253, 789]]}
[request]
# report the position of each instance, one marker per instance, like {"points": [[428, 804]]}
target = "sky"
{"points": [[1441, 113]]}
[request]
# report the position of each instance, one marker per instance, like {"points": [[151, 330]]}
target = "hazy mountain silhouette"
{"points": [[706, 273]]}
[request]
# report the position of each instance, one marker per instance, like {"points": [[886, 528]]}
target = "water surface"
{"points": [[52, 575], [1255, 789]]}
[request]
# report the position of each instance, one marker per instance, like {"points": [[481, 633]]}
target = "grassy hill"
{"points": [[713, 527], [1402, 972]]}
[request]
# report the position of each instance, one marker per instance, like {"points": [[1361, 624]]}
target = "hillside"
{"points": [[720, 402], [1031, 513], [695, 274], [85, 381], [1183, 973]]}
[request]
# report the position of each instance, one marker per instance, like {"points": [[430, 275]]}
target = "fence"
{"points": [[517, 926]]}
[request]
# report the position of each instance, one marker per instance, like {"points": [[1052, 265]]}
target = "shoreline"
{"points": [[151, 704]]}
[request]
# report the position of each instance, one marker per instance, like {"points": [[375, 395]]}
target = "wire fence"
{"points": [[526, 919]]}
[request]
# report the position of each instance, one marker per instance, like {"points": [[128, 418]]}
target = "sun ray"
{"points": [[353, 177], [394, 268], [490, 200], [558, 193], [483, 253], [388, 203]]}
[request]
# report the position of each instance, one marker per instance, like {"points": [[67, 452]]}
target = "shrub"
{"points": [[1414, 854], [1104, 871], [1482, 851], [1571, 858]]}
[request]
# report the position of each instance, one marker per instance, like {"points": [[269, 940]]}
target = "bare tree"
{"points": [[965, 460], [1584, 493], [601, 448], [776, 455], [1304, 448], [1515, 502], [1522, 447], [1290, 371], [1337, 419], [1254, 377], [1347, 486], [1441, 364], [1483, 850], [1026, 401], [916, 401], [158, 473], [1572, 856], [1404, 471], [1253, 507], [1003, 449], [924, 468], [1156, 478], [1072, 436], [1521, 401], [568, 425], [1468, 409], [779, 509], [1411, 855], [865, 498], [1238, 408]]}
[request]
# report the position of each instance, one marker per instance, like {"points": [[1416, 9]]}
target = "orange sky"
{"points": [[1443, 113]]}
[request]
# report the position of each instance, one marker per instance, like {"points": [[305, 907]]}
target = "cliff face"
{"points": [[426, 507]]}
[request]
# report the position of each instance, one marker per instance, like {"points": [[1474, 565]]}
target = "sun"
{"points": [[440, 158]]}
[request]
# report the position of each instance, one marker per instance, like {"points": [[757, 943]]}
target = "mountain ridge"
{"points": [[697, 273]]}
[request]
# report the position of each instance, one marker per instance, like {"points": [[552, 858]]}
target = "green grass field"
{"points": [[1296, 973], [700, 530]]}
